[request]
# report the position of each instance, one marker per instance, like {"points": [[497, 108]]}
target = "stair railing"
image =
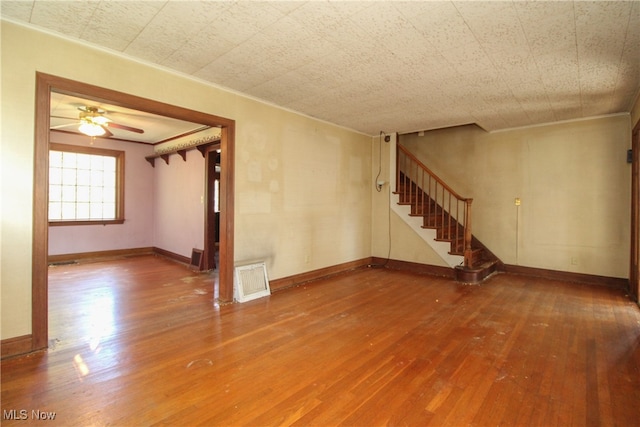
{"points": [[433, 199]]}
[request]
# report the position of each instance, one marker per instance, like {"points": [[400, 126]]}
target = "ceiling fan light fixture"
{"points": [[91, 129], [100, 120]]}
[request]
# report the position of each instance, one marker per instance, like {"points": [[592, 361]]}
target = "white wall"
{"points": [[137, 230]]}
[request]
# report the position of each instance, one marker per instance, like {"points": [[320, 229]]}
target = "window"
{"points": [[86, 185], [216, 196]]}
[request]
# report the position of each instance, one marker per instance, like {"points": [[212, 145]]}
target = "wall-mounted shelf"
{"points": [[202, 148]]}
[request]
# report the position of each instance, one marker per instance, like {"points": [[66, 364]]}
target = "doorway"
{"points": [[212, 222], [45, 84]]}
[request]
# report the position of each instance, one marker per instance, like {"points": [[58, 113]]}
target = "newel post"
{"points": [[467, 235], [397, 167]]}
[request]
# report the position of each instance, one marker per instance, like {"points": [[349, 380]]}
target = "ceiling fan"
{"points": [[93, 122]]}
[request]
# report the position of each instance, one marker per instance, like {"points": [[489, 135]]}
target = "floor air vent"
{"points": [[251, 282]]}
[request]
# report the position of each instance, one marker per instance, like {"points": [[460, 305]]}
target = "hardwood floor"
{"points": [[141, 341]]}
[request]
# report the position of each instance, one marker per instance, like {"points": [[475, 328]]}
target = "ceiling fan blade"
{"points": [[63, 126], [123, 127], [108, 133], [65, 118]]}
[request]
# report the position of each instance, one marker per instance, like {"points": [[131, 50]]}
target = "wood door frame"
{"points": [[45, 84], [634, 265]]}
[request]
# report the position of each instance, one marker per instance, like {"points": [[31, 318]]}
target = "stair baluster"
{"points": [[439, 205]]}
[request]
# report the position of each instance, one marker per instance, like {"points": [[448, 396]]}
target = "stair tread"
{"points": [[447, 226], [451, 236]]}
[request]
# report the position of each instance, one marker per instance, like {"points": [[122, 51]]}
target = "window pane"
{"points": [[109, 195], [109, 179], [96, 211], [97, 162], [110, 164], [69, 160], [84, 161], [97, 178], [109, 211], [83, 193], [55, 210], [69, 176], [68, 193], [96, 194], [83, 177], [68, 210], [55, 176], [55, 159], [82, 210], [55, 193]]}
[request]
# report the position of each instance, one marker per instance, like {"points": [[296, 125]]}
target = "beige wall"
{"points": [[303, 187], [572, 179]]}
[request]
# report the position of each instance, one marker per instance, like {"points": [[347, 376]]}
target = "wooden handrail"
{"points": [[441, 207], [429, 171]]}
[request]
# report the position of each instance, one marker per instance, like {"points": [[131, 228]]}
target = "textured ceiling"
{"points": [[371, 66]]}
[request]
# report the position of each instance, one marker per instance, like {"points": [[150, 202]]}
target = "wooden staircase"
{"points": [[444, 211]]}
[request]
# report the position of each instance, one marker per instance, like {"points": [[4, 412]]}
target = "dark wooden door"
{"points": [[634, 273]]}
